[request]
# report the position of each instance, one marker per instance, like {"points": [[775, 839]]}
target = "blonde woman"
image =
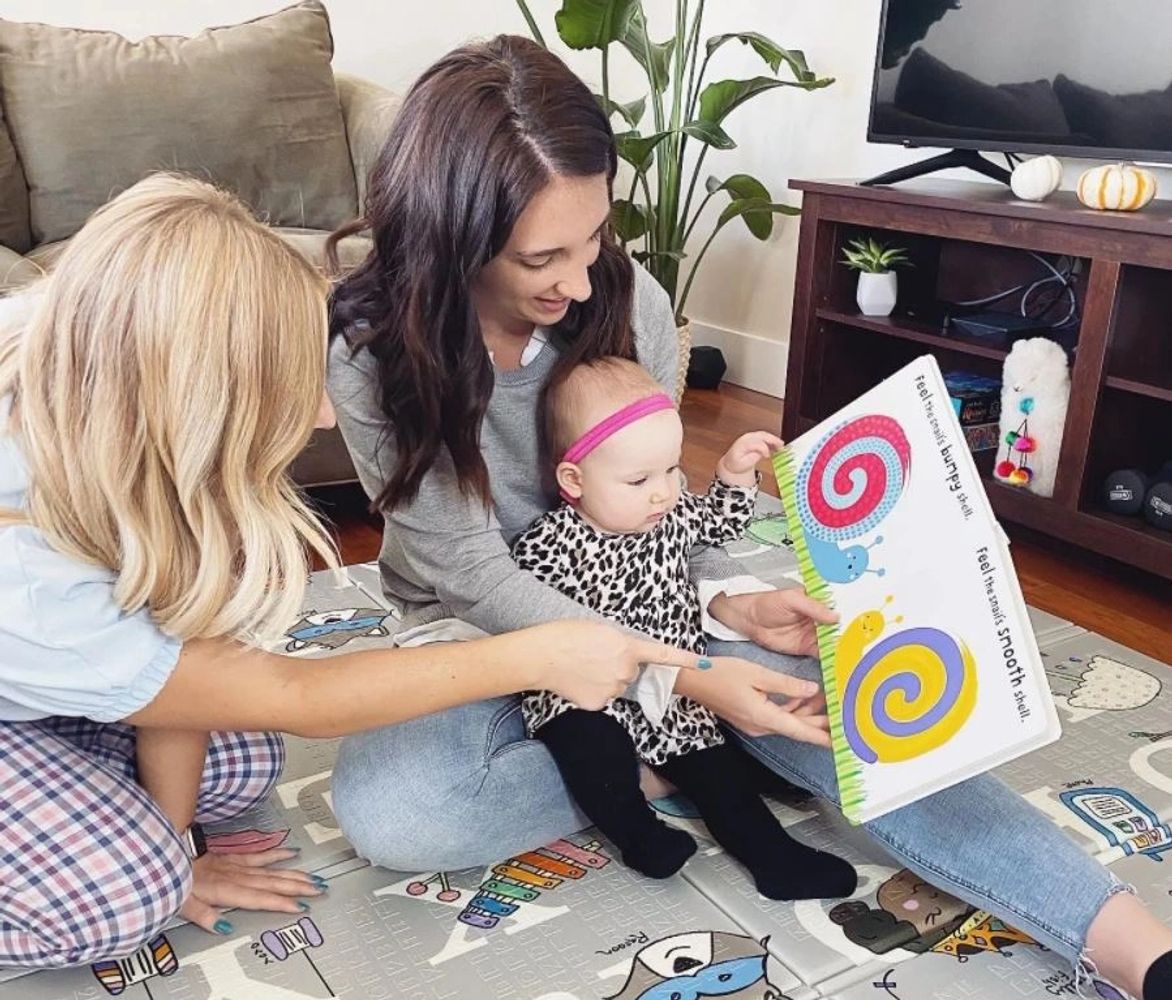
{"points": [[153, 392]]}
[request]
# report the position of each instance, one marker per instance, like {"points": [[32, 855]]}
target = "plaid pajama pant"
{"points": [[89, 867]]}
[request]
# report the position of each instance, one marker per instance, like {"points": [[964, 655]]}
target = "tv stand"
{"points": [[969, 158], [968, 241]]}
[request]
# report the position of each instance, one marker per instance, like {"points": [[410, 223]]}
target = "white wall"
{"points": [[742, 298]]}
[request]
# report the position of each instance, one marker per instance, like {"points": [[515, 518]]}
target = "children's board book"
{"points": [[932, 673]]}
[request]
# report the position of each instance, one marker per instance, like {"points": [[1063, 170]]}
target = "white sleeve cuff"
{"points": [[710, 589], [652, 689]]}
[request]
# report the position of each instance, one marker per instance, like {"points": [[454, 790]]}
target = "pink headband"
{"points": [[613, 424]]}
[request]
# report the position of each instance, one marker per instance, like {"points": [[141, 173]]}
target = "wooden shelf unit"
{"points": [[968, 241]]}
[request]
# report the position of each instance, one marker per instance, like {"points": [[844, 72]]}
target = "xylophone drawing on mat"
{"points": [[524, 878]]}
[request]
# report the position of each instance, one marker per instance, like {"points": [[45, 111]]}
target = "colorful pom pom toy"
{"points": [[1020, 443]]}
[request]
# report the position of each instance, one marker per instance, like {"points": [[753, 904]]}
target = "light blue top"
{"points": [[66, 648]]}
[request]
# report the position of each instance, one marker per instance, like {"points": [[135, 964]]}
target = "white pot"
{"points": [[876, 293]]}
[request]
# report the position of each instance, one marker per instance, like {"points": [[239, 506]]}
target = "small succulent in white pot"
{"points": [[875, 263]]}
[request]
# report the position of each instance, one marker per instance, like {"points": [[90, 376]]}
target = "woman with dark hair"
{"points": [[493, 274]]}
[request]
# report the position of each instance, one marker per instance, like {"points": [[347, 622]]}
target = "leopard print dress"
{"points": [[642, 582]]}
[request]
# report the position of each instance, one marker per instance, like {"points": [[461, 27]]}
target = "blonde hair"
{"points": [[168, 372], [591, 392]]}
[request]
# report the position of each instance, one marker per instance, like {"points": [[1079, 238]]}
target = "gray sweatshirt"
{"points": [[444, 555]]}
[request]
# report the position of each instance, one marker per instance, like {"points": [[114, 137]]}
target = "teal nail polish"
{"points": [[321, 883], [303, 906], [222, 927], [704, 663]]}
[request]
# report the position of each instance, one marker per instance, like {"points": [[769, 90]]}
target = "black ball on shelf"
{"points": [[1124, 491], [1158, 506]]}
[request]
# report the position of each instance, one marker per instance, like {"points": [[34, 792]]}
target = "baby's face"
{"points": [[633, 478]]}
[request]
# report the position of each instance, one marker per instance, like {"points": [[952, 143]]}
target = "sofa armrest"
{"points": [[368, 110], [15, 270]]}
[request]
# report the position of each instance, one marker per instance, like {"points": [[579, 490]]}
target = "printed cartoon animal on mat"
{"points": [[700, 964], [333, 629], [1100, 684], [916, 916], [912, 914], [155, 958]]}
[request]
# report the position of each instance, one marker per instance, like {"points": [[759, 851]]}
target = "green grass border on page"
{"points": [[851, 791]]}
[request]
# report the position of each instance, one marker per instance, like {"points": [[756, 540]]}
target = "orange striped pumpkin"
{"points": [[1116, 187]]}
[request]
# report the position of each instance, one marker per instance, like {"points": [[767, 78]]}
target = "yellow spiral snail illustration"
{"points": [[902, 695]]}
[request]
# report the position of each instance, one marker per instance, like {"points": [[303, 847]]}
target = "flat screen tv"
{"points": [[1089, 78]]}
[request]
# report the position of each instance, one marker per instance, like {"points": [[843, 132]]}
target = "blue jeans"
{"points": [[465, 787]]}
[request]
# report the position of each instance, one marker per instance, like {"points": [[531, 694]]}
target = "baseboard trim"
{"points": [[753, 362]]}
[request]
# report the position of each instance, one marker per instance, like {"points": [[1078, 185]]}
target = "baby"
{"points": [[620, 545]]}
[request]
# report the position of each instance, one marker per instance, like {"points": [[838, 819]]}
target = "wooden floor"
{"points": [[1131, 607]]}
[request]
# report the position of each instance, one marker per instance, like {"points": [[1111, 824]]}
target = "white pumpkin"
{"points": [[1117, 187], [1036, 179]]}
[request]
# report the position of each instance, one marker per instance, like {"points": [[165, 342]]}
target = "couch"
{"points": [[254, 107]]}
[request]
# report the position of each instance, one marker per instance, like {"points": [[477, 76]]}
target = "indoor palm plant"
{"points": [[660, 211]]}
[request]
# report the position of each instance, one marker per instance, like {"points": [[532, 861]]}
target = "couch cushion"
{"points": [[352, 250], [14, 228], [252, 106], [1124, 121], [933, 90]]}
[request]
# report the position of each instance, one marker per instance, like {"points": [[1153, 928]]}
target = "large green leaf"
{"points": [[593, 24], [658, 70], [710, 134], [770, 51], [632, 112], [739, 186], [636, 149], [642, 256], [757, 212], [629, 220], [718, 99], [744, 187]]}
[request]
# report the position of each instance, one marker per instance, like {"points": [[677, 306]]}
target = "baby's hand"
{"points": [[738, 467]]}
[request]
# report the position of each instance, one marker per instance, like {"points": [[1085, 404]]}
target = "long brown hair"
{"points": [[479, 135]]}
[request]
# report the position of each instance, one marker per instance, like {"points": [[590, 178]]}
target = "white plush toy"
{"points": [[1035, 391]]}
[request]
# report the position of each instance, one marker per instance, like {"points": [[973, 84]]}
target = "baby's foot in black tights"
{"points": [[659, 854], [800, 872], [782, 867]]}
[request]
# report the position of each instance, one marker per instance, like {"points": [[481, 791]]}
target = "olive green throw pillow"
{"points": [[252, 107], [14, 231]]}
